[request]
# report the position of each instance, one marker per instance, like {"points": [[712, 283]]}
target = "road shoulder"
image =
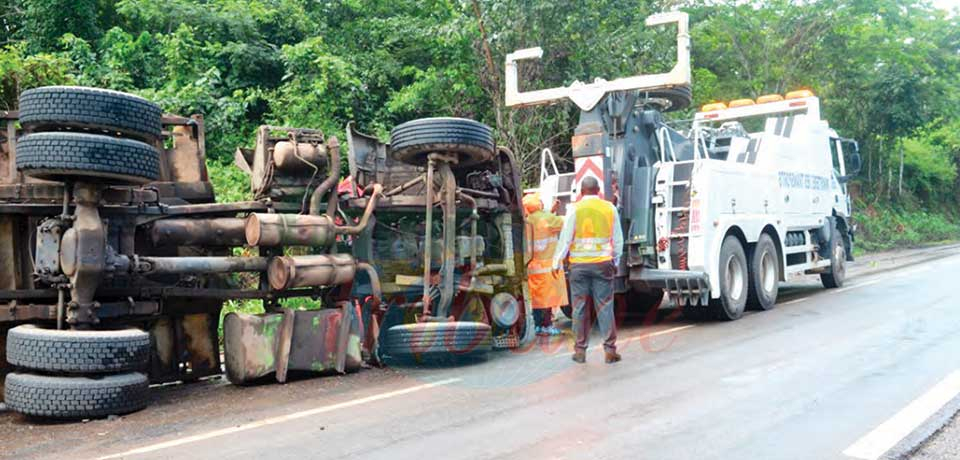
{"points": [[939, 440]]}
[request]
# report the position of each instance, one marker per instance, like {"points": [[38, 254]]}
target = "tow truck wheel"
{"points": [[838, 266], [470, 141], [734, 281], [669, 99], [764, 274], [641, 302]]}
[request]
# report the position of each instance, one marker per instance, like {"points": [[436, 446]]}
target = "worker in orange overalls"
{"points": [[548, 287]]}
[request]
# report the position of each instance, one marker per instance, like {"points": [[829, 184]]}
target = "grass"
{"points": [[889, 227]]}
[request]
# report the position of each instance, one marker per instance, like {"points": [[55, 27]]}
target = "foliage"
{"points": [[45, 21], [888, 71], [886, 227], [20, 71]]}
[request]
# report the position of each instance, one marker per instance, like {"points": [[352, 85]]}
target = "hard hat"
{"points": [[532, 203]]}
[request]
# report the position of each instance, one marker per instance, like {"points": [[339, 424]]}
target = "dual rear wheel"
{"points": [[68, 374], [752, 279], [88, 134], [746, 280]]}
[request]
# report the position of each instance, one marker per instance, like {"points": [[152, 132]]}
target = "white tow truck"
{"points": [[718, 214]]}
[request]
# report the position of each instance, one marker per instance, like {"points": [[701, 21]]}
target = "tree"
{"points": [[45, 21]]}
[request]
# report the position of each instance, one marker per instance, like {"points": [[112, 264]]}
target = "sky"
{"points": [[946, 4]]}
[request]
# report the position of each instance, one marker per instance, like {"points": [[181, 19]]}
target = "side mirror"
{"points": [[855, 164], [853, 167]]}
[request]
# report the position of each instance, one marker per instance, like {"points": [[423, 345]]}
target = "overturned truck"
{"points": [[116, 259]]}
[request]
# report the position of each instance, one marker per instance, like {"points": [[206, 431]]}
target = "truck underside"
{"points": [[111, 239]]}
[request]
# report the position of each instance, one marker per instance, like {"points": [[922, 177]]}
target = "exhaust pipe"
{"points": [[226, 231], [288, 272], [289, 230], [305, 230]]}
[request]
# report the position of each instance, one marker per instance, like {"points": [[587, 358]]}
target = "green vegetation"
{"points": [[888, 72]]}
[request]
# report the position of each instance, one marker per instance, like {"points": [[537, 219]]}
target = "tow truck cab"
{"points": [[773, 167]]}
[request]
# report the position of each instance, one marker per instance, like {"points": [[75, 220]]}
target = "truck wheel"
{"points": [[567, 311], [669, 99], [838, 263], [696, 312], [78, 352], [437, 341], [734, 281], [78, 156], [764, 274], [76, 397], [92, 109], [471, 141], [643, 301]]}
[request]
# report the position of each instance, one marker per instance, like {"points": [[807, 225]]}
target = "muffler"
{"points": [[289, 272]]}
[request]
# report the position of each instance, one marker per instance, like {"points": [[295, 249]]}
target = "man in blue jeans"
{"points": [[592, 235]]}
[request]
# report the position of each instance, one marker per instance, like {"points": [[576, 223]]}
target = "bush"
{"points": [[884, 227]]}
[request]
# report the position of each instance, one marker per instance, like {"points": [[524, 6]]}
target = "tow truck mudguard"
{"points": [[683, 286]]}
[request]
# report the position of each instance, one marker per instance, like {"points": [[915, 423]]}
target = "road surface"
{"points": [[867, 371]]}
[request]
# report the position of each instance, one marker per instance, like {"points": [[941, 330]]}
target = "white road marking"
{"points": [[278, 419], [635, 338], [657, 333], [795, 301], [860, 285], [889, 433]]}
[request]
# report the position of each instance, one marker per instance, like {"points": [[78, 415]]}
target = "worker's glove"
{"points": [[557, 266]]}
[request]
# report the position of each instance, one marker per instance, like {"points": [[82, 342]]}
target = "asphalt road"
{"points": [[866, 371]]}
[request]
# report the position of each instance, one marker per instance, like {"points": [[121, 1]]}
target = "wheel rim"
{"points": [[838, 261], [734, 280], [768, 272]]}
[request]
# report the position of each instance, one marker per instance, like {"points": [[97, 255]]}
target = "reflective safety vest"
{"points": [[593, 233], [548, 288]]}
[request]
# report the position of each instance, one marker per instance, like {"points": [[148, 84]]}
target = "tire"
{"points": [[92, 109], [764, 271], [567, 311], [76, 397], [78, 156], [434, 341], [78, 352], [643, 302], [669, 99], [696, 312], [471, 141], [734, 281], [835, 277]]}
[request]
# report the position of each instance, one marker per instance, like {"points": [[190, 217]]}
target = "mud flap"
{"points": [[327, 341], [184, 347]]}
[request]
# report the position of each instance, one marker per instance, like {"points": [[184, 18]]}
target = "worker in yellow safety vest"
{"points": [[548, 287], [592, 235]]}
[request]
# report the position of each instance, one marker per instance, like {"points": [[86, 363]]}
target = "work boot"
{"points": [[612, 357], [580, 356], [552, 330], [541, 331]]}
